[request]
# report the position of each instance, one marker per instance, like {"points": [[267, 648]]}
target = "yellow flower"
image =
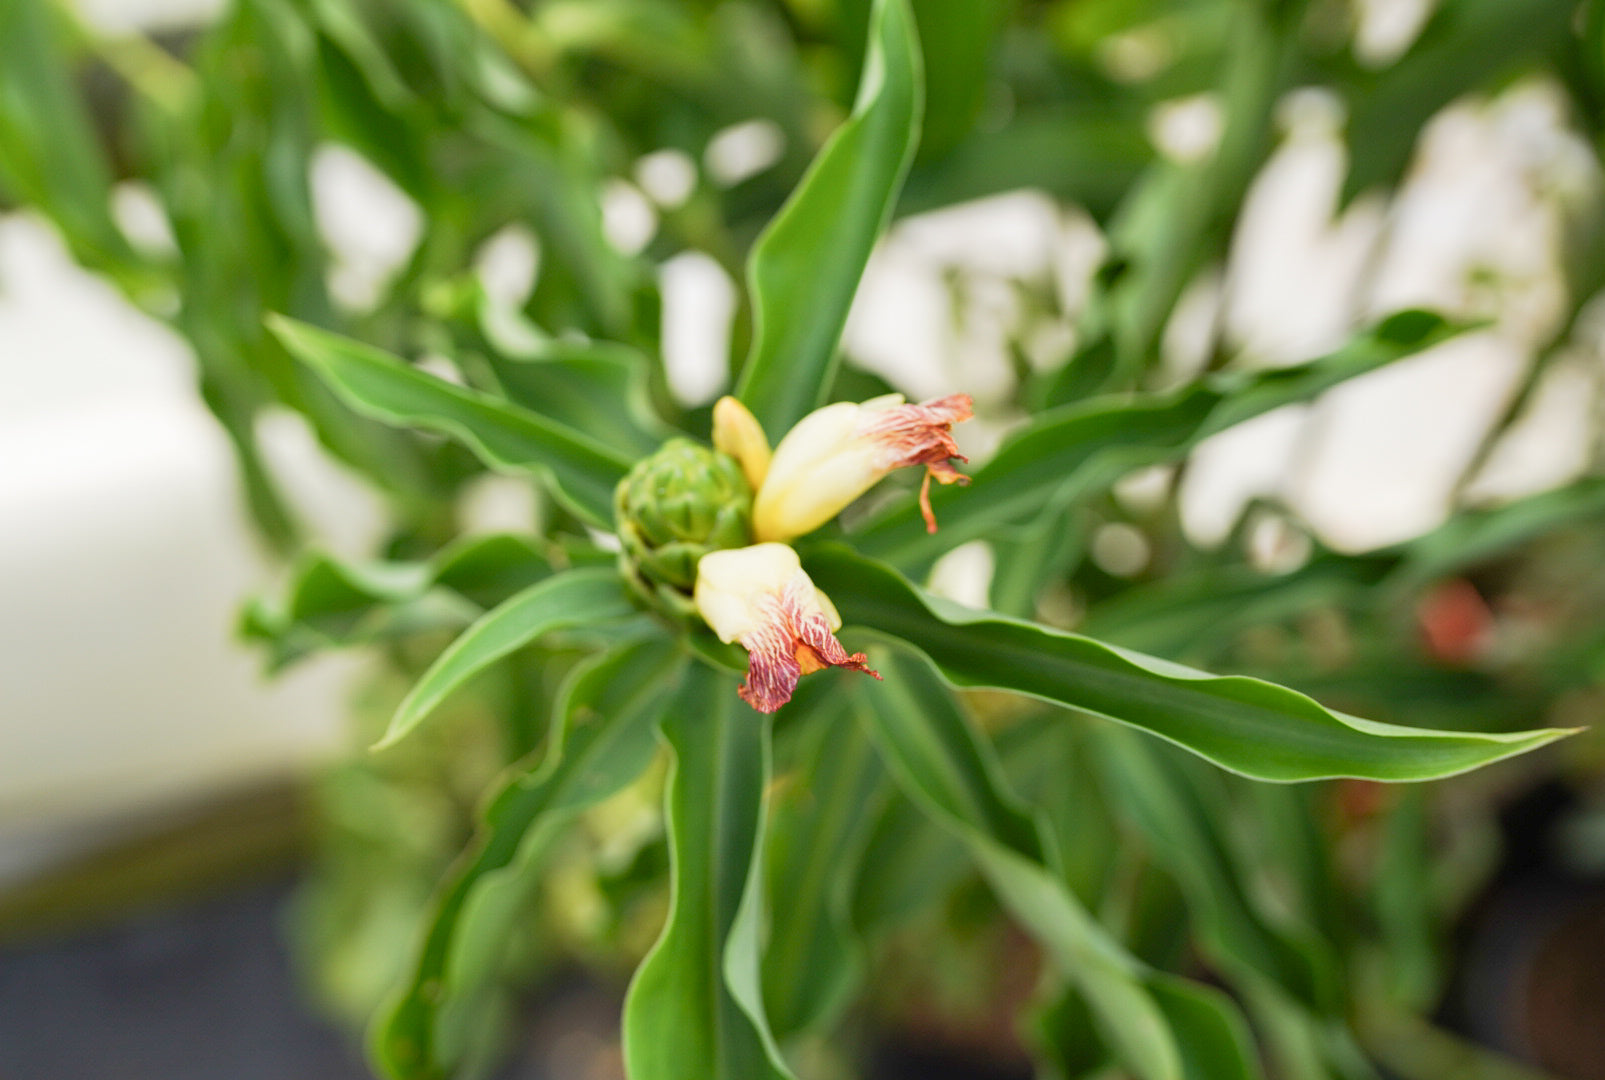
{"points": [[761, 597], [837, 453]]}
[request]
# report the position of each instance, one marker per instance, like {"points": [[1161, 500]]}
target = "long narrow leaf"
{"points": [[692, 1011], [1245, 725], [1071, 451], [581, 472], [603, 738], [942, 764], [573, 599], [818, 825], [331, 602], [805, 268], [1177, 827]]}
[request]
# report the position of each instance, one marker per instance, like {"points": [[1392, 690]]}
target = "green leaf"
{"points": [[1189, 611], [958, 39], [580, 471], [908, 865], [819, 822], [604, 737], [1248, 726], [50, 153], [573, 599], [1210, 1030], [693, 1011], [1084, 153], [1066, 453], [1476, 536], [332, 603], [1466, 45], [804, 269], [942, 764], [599, 388], [1163, 801]]}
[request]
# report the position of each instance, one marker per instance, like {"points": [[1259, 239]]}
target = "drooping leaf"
{"points": [[1246, 725], [580, 471], [603, 737], [570, 600], [804, 269], [693, 1011]]}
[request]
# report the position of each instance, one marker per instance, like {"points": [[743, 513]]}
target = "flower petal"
{"points": [[738, 433], [791, 639], [761, 597]]}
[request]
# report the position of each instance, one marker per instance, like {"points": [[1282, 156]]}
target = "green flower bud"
{"points": [[673, 508]]}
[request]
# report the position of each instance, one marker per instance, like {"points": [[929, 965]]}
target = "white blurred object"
{"points": [[1477, 229], [699, 304], [124, 557], [743, 150], [148, 16], [628, 220], [370, 225]]}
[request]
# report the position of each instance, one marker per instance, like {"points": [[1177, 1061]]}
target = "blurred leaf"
{"points": [[572, 599], [957, 40], [1164, 803], [1250, 727], [603, 738], [580, 471], [1404, 900], [820, 820], [1076, 152], [804, 269], [1476, 536], [1050, 764], [1465, 45], [1210, 1030], [1180, 215], [945, 767], [596, 387], [693, 1010], [50, 153], [908, 865], [1189, 611], [1064, 1038], [332, 603], [1065, 453], [543, 170]]}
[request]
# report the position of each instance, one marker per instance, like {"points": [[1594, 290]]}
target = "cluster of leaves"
{"points": [[1192, 920]]}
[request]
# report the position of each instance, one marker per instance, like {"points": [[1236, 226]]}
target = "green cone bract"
{"points": [[676, 506]]}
